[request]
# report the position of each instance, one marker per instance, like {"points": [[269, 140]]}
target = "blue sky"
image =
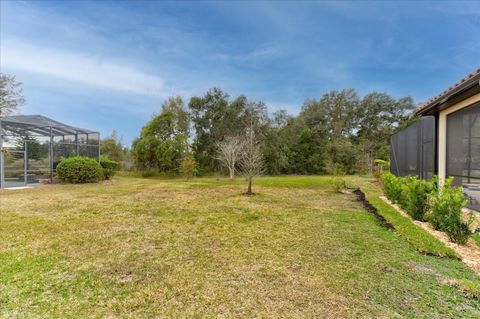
{"points": [[110, 65]]}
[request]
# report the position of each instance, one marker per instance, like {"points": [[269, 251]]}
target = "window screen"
{"points": [[463, 152], [463, 145]]}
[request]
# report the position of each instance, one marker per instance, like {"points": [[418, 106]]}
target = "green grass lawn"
{"points": [[417, 236], [476, 238], [142, 248]]}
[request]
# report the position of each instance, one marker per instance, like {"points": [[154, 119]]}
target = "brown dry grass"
{"points": [[139, 248]]}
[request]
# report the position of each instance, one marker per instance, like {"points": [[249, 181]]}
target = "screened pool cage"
{"points": [[31, 146], [412, 151]]}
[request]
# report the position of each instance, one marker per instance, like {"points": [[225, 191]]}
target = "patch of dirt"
{"points": [[385, 267], [469, 253], [370, 208], [423, 269]]}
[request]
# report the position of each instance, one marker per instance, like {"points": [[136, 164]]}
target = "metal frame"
{"points": [[24, 125]]}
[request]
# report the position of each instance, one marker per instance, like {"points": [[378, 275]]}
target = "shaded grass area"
{"points": [[142, 248], [417, 236]]}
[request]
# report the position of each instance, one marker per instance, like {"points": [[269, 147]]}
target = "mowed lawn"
{"points": [[143, 248]]}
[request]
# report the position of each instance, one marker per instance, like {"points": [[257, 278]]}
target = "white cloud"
{"points": [[86, 69]]}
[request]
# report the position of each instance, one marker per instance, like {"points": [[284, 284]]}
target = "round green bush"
{"points": [[109, 167], [77, 170]]}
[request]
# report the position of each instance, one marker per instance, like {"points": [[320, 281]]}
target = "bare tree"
{"points": [[229, 152], [11, 95], [251, 163]]}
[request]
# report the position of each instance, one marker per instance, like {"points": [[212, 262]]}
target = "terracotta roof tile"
{"points": [[469, 76]]}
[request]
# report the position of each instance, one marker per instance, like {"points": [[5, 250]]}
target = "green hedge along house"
{"points": [[446, 140]]}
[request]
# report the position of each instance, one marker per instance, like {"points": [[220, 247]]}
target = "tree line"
{"points": [[339, 133]]}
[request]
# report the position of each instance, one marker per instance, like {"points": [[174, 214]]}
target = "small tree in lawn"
{"points": [[229, 153], [188, 167], [251, 162]]}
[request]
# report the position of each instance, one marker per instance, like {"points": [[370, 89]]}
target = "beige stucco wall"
{"points": [[442, 132]]}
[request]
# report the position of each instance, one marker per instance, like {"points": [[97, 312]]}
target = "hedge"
{"points": [[425, 200], [109, 167], [422, 240], [78, 170]]}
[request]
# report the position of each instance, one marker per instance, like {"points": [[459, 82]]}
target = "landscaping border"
{"points": [[469, 253], [421, 239]]}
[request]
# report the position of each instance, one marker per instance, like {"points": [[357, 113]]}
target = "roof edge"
{"points": [[469, 81]]}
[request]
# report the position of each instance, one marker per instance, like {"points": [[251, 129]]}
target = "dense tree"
{"points": [[339, 108], [11, 94], [378, 116], [275, 148], [307, 138], [338, 133], [344, 157], [214, 117], [35, 150], [341, 133], [112, 147], [188, 166], [164, 140], [309, 151]]}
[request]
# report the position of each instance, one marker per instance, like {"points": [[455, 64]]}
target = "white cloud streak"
{"points": [[80, 68]]}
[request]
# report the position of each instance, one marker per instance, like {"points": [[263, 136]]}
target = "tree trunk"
{"points": [[232, 172], [249, 190]]}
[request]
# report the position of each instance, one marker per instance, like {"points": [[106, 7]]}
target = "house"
{"points": [[446, 141]]}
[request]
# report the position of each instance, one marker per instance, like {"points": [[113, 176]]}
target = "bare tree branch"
{"points": [[251, 163], [229, 152]]}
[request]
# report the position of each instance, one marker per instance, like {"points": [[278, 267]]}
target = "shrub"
{"points": [[446, 213], [384, 165], [188, 167], [109, 167], [410, 193], [79, 170], [149, 172], [416, 194], [339, 184], [422, 240], [381, 166], [404, 185], [392, 187], [424, 200]]}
